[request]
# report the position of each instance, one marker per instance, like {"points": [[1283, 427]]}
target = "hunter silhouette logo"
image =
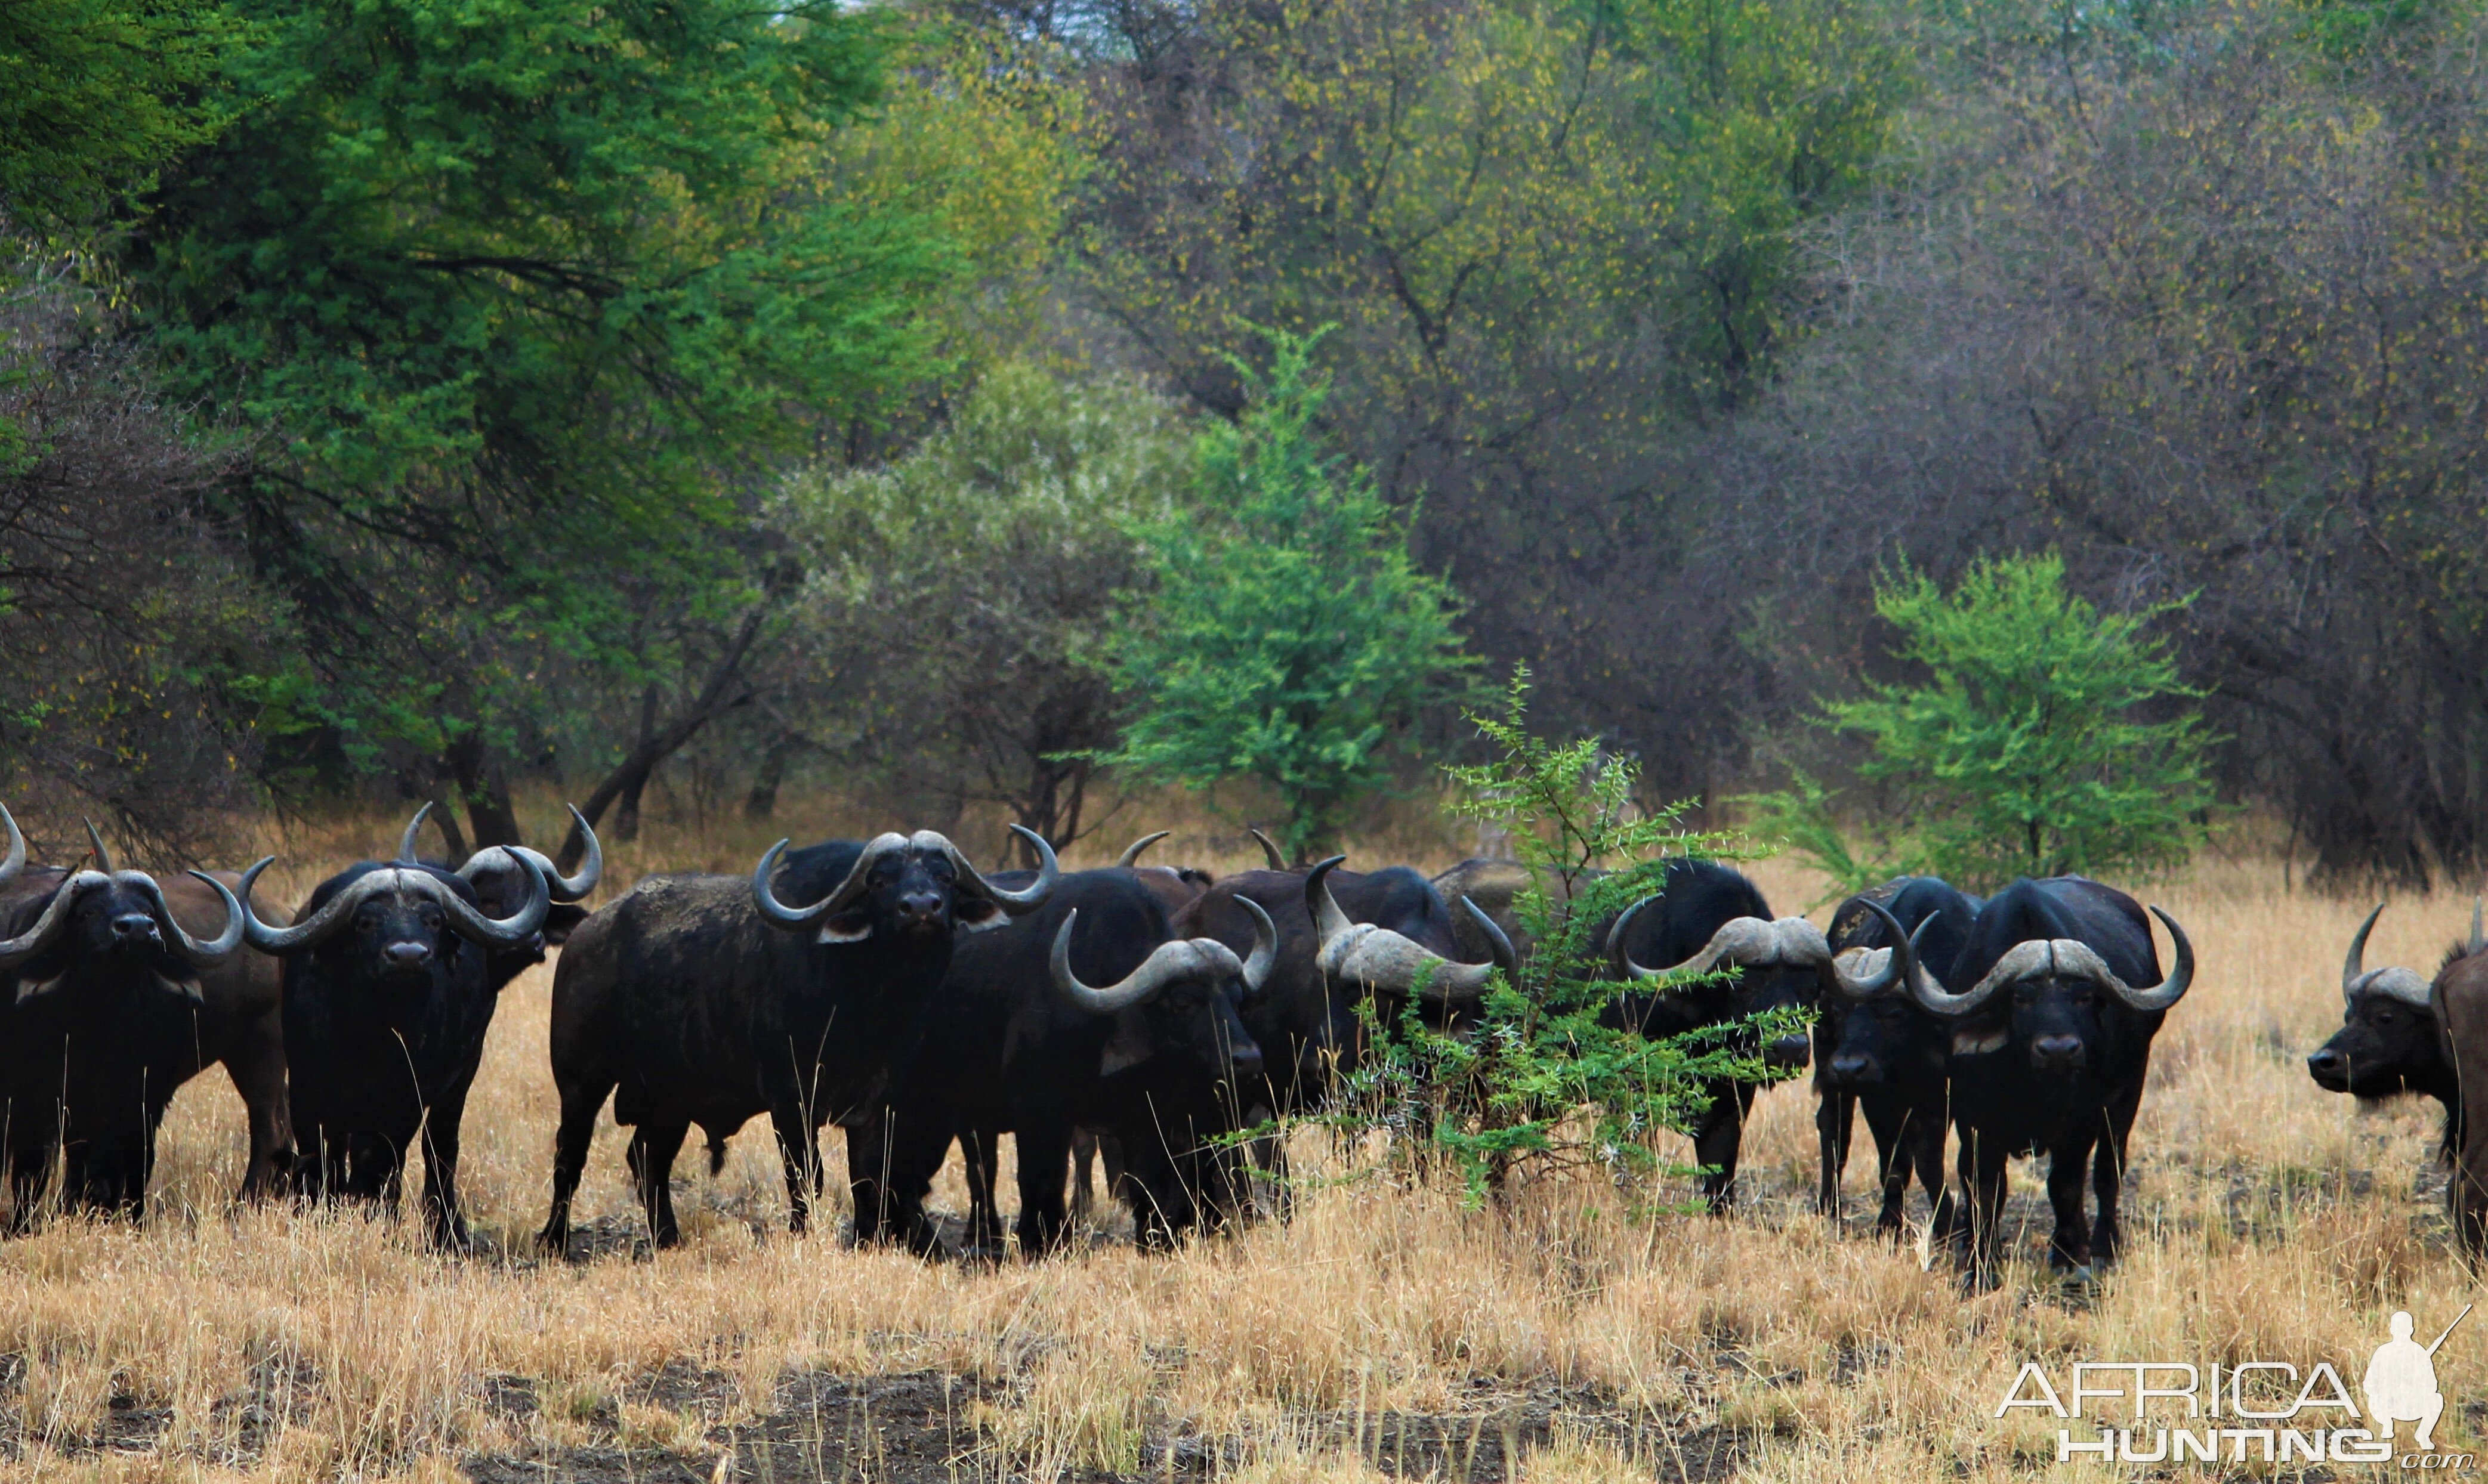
{"points": [[2175, 1411], [2401, 1381]]}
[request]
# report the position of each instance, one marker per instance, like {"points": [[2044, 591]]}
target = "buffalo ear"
{"points": [[846, 927], [974, 915], [1125, 1048]]}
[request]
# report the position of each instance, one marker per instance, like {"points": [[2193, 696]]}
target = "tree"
{"points": [[95, 94], [1283, 633], [2026, 750], [1547, 1076], [955, 600], [525, 301]]}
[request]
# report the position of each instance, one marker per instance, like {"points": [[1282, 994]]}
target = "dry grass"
{"points": [[2269, 1220]]}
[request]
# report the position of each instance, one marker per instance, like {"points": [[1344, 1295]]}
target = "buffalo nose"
{"points": [[1852, 1069], [1244, 1061], [2328, 1065], [917, 906], [133, 928], [2057, 1052], [1788, 1051], [408, 955]]}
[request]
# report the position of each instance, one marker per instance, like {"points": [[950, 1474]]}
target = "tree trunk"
{"points": [[762, 801], [723, 693], [626, 819], [485, 786]]}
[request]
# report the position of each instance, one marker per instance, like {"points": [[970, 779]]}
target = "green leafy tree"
{"points": [[1546, 1076], [1283, 633], [527, 300], [95, 94], [954, 599], [2030, 747]]}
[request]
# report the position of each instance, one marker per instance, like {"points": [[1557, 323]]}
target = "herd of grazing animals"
{"points": [[1148, 1013]]}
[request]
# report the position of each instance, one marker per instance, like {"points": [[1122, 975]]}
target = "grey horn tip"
{"points": [[413, 828], [1131, 855], [1269, 852], [102, 857]]}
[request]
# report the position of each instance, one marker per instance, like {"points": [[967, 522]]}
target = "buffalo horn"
{"points": [[2394, 983], [1168, 962], [2478, 938], [563, 888], [16, 858], [1739, 940], [56, 915], [1018, 903], [1131, 855], [2067, 956], [395, 878], [1497, 946], [215, 950], [1265, 948], [102, 857], [796, 919], [405, 855], [1381, 959], [1269, 852], [1864, 973]]}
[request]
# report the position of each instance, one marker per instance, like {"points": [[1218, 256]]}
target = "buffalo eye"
{"points": [[2384, 1017]]}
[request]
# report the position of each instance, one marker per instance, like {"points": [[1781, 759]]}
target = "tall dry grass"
{"points": [[2269, 1221]]}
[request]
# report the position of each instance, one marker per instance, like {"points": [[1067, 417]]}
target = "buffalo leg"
{"points": [[257, 1066], [34, 1145], [1831, 1125], [311, 1172], [1084, 1165], [1983, 1164], [1715, 1140], [1923, 1135], [1888, 1120], [2107, 1175], [977, 1152], [581, 1102], [654, 1143], [799, 1149], [2069, 1163], [1044, 1152], [444, 1219], [869, 1177]]}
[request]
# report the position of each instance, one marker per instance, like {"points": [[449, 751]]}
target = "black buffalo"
{"points": [[1727, 959], [705, 999], [391, 979], [107, 1006], [1028, 1045], [2389, 1041], [1886, 1054], [2053, 1001]]}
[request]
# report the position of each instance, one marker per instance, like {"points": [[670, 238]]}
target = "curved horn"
{"points": [[215, 950], [1381, 959], [102, 857], [1864, 973], [2354, 968], [1738, 940], [56, 915], [2168, 992], [1265, 947], [1131, 855], [311, 930], [2020, 961], [1018, 903], [796, 919], [1269, 852], [17, 859], [2478, 938], [564, 889], [1497, 945], [1168, 962], [471, 923], [414, 826]]}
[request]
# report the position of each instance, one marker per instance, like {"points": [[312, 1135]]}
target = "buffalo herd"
{"points": [[1153, 1015]]}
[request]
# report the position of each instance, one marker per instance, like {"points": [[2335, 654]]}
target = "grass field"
{"points": [[1385, 1330]]}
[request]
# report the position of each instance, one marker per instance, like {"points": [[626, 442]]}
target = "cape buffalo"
{"points": [[1711, 929], [1886, 1054], [390, 983], [1028, 1046], [705, 999], [2459, 998], [2389, 1041], [110, 1004], [2050, 1043]]}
